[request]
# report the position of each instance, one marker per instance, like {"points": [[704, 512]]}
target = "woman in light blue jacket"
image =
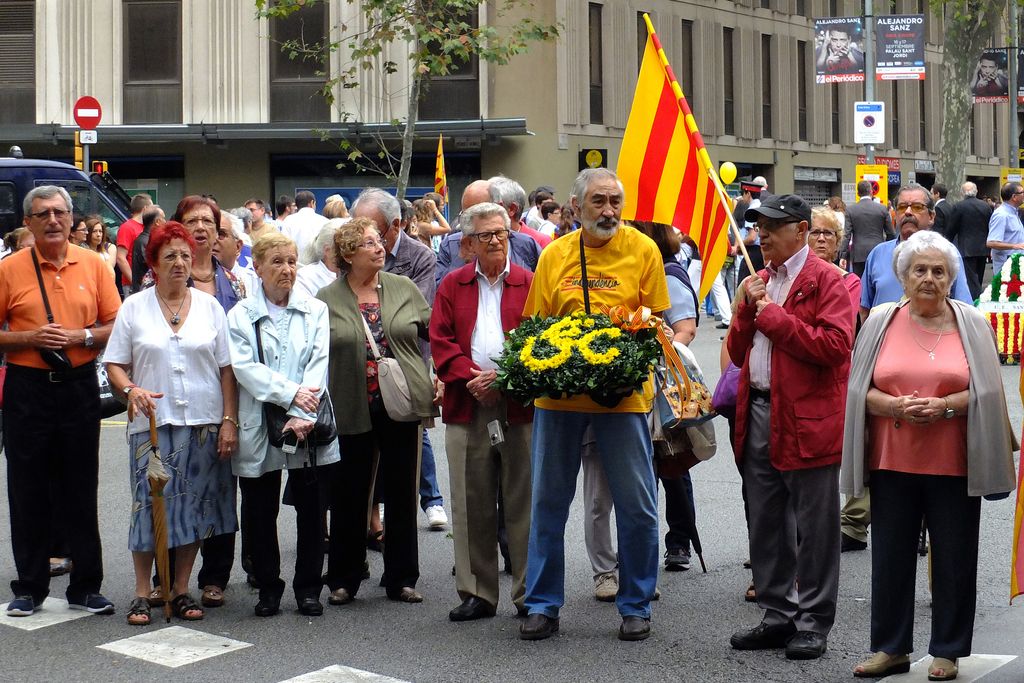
{"points": [[294, 333]]}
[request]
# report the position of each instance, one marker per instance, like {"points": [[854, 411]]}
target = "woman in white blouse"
{"points": [[168, 354], [292, 374], [321, 269]]}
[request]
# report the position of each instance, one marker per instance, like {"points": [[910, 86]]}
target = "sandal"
{"points": [[213, 596], [881, 664], [139, 609], [942, 669], [183, 604], [156, 597]]}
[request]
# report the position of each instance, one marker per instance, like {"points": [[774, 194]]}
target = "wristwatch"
{"points": [[89, 341], [950, 413], [128, 389]]}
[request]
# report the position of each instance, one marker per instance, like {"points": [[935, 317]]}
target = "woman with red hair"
{"points": [[168, 355]]}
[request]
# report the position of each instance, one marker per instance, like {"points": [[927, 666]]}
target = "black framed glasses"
{"points": [[56, 213], [486, 237]]}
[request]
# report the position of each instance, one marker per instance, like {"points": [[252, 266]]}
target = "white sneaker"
{"points": [[606, 587], [436, 517]]}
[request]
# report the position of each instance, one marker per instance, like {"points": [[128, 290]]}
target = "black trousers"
{"points": [[898, 500], [397, 444], [51, 439], [974, 269], [680, 512], [262, 498]]}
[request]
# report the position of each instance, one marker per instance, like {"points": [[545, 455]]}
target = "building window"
{"points": [[995, 134], [833, 11], [766, 4], [836, 117], [152, 77], [686, 62], [296, 85], [766, 86], [729, 122], [801, 90], [456, 95], [921, 108], [641, 39], [17, 62], [895, 116], [973, 111], [801, 7], [596, 72]]}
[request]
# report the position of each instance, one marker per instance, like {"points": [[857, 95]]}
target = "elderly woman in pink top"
{"points": [[927, 429]]}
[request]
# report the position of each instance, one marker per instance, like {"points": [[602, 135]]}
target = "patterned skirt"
{"points": [[199, 498]]}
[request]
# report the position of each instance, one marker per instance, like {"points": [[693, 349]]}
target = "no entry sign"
{"points": [[88, 112]]}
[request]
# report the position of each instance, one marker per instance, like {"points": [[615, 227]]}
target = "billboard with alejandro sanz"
{"points": [[989, 82], [839, 49], [899, 52]]}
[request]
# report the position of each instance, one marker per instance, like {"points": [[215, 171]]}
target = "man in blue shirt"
{"points": [[1005, 231], [915, 210]]}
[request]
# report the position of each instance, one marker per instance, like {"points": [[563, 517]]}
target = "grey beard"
{"points": [[601, 233]]}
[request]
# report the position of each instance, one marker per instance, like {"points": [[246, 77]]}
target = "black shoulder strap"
{"points": [[42, 288], [259, 341], [583, 274]]}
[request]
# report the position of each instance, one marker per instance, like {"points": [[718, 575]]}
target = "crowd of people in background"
{"points": [[213, 320]]}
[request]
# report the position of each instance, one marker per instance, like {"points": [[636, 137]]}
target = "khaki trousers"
{"points": [[856, 516], [476, 470]]}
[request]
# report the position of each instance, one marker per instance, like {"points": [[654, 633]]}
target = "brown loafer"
{"points": [[213, 596], [881, 664], [407, 594]]}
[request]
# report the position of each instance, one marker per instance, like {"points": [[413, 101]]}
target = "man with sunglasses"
{"points": [[1005, 231], [915, 210], [791, 336], [52, 406]]}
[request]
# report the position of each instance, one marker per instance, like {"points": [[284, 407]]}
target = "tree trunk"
{"points": [[967, 28], [409, 136]]}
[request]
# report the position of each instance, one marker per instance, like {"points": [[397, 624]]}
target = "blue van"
{"points": [[90, 194]]}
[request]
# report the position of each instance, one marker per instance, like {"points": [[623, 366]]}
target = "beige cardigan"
{"points": [[990, 438]]}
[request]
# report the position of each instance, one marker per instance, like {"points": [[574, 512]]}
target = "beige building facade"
{"points": [[197, 96]]}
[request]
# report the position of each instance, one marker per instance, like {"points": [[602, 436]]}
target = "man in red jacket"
{"points": [[487, 436], [791, 337]]}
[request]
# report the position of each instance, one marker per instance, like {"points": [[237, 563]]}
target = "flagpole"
{"points": [[702, 153]]}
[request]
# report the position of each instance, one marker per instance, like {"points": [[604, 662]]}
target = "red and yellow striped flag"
{"points": [[664, 168], [440, 177], [1017, 551]]}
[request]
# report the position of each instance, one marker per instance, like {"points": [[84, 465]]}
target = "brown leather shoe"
{"points": [[340, 596], [538, 627], [213, 596], [634, 628], [407, 594]]}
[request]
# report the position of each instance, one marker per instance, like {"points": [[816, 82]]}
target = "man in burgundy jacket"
{"points": [[487, 436], [791, 337]]}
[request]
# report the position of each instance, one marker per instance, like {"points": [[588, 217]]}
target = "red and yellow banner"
{"points": [[664, 168], [440, 177]]}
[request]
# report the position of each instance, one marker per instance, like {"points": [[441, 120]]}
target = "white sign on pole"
{"points": [[869, 123], [87, 137]]}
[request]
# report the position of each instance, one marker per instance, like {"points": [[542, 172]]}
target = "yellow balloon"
{"points": [[727, 172]]}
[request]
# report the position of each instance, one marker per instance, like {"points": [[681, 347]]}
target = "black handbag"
{"points": [[324, 432]]}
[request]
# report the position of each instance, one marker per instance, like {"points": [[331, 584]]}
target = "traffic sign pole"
{"points": [[869, 66]]}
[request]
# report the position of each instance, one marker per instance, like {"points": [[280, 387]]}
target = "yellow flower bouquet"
{"points": [[576, 354]]}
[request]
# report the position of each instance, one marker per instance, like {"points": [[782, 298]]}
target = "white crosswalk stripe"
{"points": [[342, 674], [53, 611], [174, 646]]}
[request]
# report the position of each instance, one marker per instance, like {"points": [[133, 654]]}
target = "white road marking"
{"points": [[174, 646], [53, 611], [972, 668], [342, 674]]}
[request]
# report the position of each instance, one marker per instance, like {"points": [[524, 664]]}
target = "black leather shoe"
{"points": [[472, 608], [634, 628], [268, 606], [538, 627], [311, 607], [763, 637], [806, 645], [851, 543]]}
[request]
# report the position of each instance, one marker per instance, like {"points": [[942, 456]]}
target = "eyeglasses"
{"points": [[486, 237], [193, 222], [916, 207], [770, 225], [1017, 193], [372, 244], [819, 233], [56, 213]]}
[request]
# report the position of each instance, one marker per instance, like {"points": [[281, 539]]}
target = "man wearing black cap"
{"points": [[791, 336]]}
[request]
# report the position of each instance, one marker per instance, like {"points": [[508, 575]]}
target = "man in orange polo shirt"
{"points": [[51, 400]]}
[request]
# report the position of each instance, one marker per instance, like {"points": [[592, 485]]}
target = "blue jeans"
{"points": [[624, 445], [430, 494]]}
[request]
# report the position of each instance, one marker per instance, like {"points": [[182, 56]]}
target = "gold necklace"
{"points": [[204, 279], [938, 337]]}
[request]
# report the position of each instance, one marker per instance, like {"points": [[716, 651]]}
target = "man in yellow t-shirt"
{"points": [[623, 267]]}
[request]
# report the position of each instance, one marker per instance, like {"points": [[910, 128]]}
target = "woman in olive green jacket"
{"points": [[398, 316]]}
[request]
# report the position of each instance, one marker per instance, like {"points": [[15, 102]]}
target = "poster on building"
{"points": [[988, 78], [899, 47], [1020, 75], [839, 49]]}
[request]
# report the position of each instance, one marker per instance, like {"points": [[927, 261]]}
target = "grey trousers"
{"points": [[785, 505], [597, 511], [476, 469]]}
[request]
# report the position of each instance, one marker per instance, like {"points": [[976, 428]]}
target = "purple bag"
{"points": [[724, 398]]}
